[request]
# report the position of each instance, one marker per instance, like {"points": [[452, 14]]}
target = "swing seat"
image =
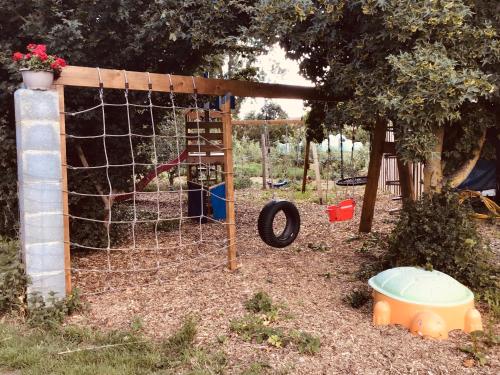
{"points": [[342, 211]]}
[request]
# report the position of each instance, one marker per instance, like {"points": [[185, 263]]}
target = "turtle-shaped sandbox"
{"points": [[428, 303]]}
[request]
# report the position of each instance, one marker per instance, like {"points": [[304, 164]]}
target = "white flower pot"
{"points": [[37, 80]]}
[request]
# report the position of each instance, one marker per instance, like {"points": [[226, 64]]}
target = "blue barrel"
{"points": [[218, 201]]}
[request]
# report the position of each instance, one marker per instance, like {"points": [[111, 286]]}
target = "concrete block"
{"points": [[41, 165], [43, 227], [44, 283], [44, 257], [42, 136], [41, 197], [33, 105]]}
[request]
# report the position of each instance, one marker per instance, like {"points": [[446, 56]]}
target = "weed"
{"points": [[321, 247], [13, 281], [256, 368], [306, 342], [357, 298], [261, 302], [176, 347], [50, 312]]}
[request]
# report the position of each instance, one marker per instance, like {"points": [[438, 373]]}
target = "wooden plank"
{"points": [[205, 148], [306, 165], [64, 172], [319, 188], [204, 125], [288, 121], [115, 79], [374, 165], [263, 146], [228, 169]]}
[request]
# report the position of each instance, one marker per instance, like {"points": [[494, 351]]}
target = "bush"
{"points": [[261, 302], [242, 182], [13, 281], [437, 232]]}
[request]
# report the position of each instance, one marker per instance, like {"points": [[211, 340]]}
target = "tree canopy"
{"points": [[431, 67]]}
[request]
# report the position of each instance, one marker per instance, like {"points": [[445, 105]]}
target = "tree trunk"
{"points": [[433, 167]]}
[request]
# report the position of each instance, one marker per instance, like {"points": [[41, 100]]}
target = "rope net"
{"points": [[139, 188]]}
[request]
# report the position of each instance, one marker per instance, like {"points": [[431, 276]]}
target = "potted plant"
{"points": [[37, 67]]}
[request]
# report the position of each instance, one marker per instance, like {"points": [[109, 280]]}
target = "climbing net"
{"points": [[129, 225]]}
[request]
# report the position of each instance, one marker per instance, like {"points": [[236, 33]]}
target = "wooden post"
{"points": [[64, 185], [370, 195], [228, 167], [406, 180], [306, 165], [264, 161], [317, 174]]}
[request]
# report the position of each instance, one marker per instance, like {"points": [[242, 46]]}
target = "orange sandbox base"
{"points": [[426, 320]]}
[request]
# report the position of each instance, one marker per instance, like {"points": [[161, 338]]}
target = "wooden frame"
{"points": [[115, 79], [118, 79]]}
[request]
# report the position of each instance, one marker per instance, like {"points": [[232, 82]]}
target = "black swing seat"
{"points": [[353, 181]]}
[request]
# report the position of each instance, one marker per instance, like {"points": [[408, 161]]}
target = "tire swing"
{"points": [[269, 213], [266, 220]]}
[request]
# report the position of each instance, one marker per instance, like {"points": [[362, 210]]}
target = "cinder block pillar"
{"points": [[40, 190]]}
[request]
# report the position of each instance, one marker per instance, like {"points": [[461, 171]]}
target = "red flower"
{"points": [[55, 65], [31, 47], [61, 62], [27, 56], [41, 48], [41, 55], [17, 56]]}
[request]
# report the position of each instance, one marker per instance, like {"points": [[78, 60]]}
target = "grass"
{"points": [[35, 351]]}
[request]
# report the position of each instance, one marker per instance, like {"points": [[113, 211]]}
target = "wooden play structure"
{"points": [[207, 150]]}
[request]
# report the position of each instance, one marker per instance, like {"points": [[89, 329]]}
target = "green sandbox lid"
{"points": [[418, 286]]}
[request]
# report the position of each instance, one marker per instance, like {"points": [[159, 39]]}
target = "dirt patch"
{"points": [[310, 281]]}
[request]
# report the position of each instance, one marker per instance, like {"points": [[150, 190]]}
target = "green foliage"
{"points": [[50, 312], [437, 232], [261, 302], [176, 348], [13, 280], [481, 345], [181, 37], [306, 343], [357, 297], [242, 182]]}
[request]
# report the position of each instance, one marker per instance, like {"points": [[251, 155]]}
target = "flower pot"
{"points": [[37, 80]]}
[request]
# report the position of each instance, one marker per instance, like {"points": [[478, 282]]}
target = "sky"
{"points": [[288, 73]]}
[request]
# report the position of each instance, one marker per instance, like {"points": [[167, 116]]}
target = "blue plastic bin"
{"points": [[218, 201]]}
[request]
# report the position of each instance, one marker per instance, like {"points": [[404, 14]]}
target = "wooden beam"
{"points": [[319, 188], [370, 195], [306, 165], [290, 121], [115, 79], [232, 261], [264, 160], [64, 186]]}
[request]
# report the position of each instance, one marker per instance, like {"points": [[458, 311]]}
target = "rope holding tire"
{"points": [[266, 219]]}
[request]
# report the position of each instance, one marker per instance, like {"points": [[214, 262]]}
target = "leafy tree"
{"points": [[430, 67], [269, 111], [188, 37]]}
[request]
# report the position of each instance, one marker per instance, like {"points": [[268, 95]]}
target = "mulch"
{"points": [[310, 284]]}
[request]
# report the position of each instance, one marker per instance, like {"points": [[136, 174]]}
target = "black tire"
{"points": [[266, 219]]}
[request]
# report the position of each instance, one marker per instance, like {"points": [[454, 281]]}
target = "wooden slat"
{"points": [[306, 165], [204, 136], [370, 196], [204, 126], [405, 180], [204, 148], [64, 170], [289, 121], [115, 79]]}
